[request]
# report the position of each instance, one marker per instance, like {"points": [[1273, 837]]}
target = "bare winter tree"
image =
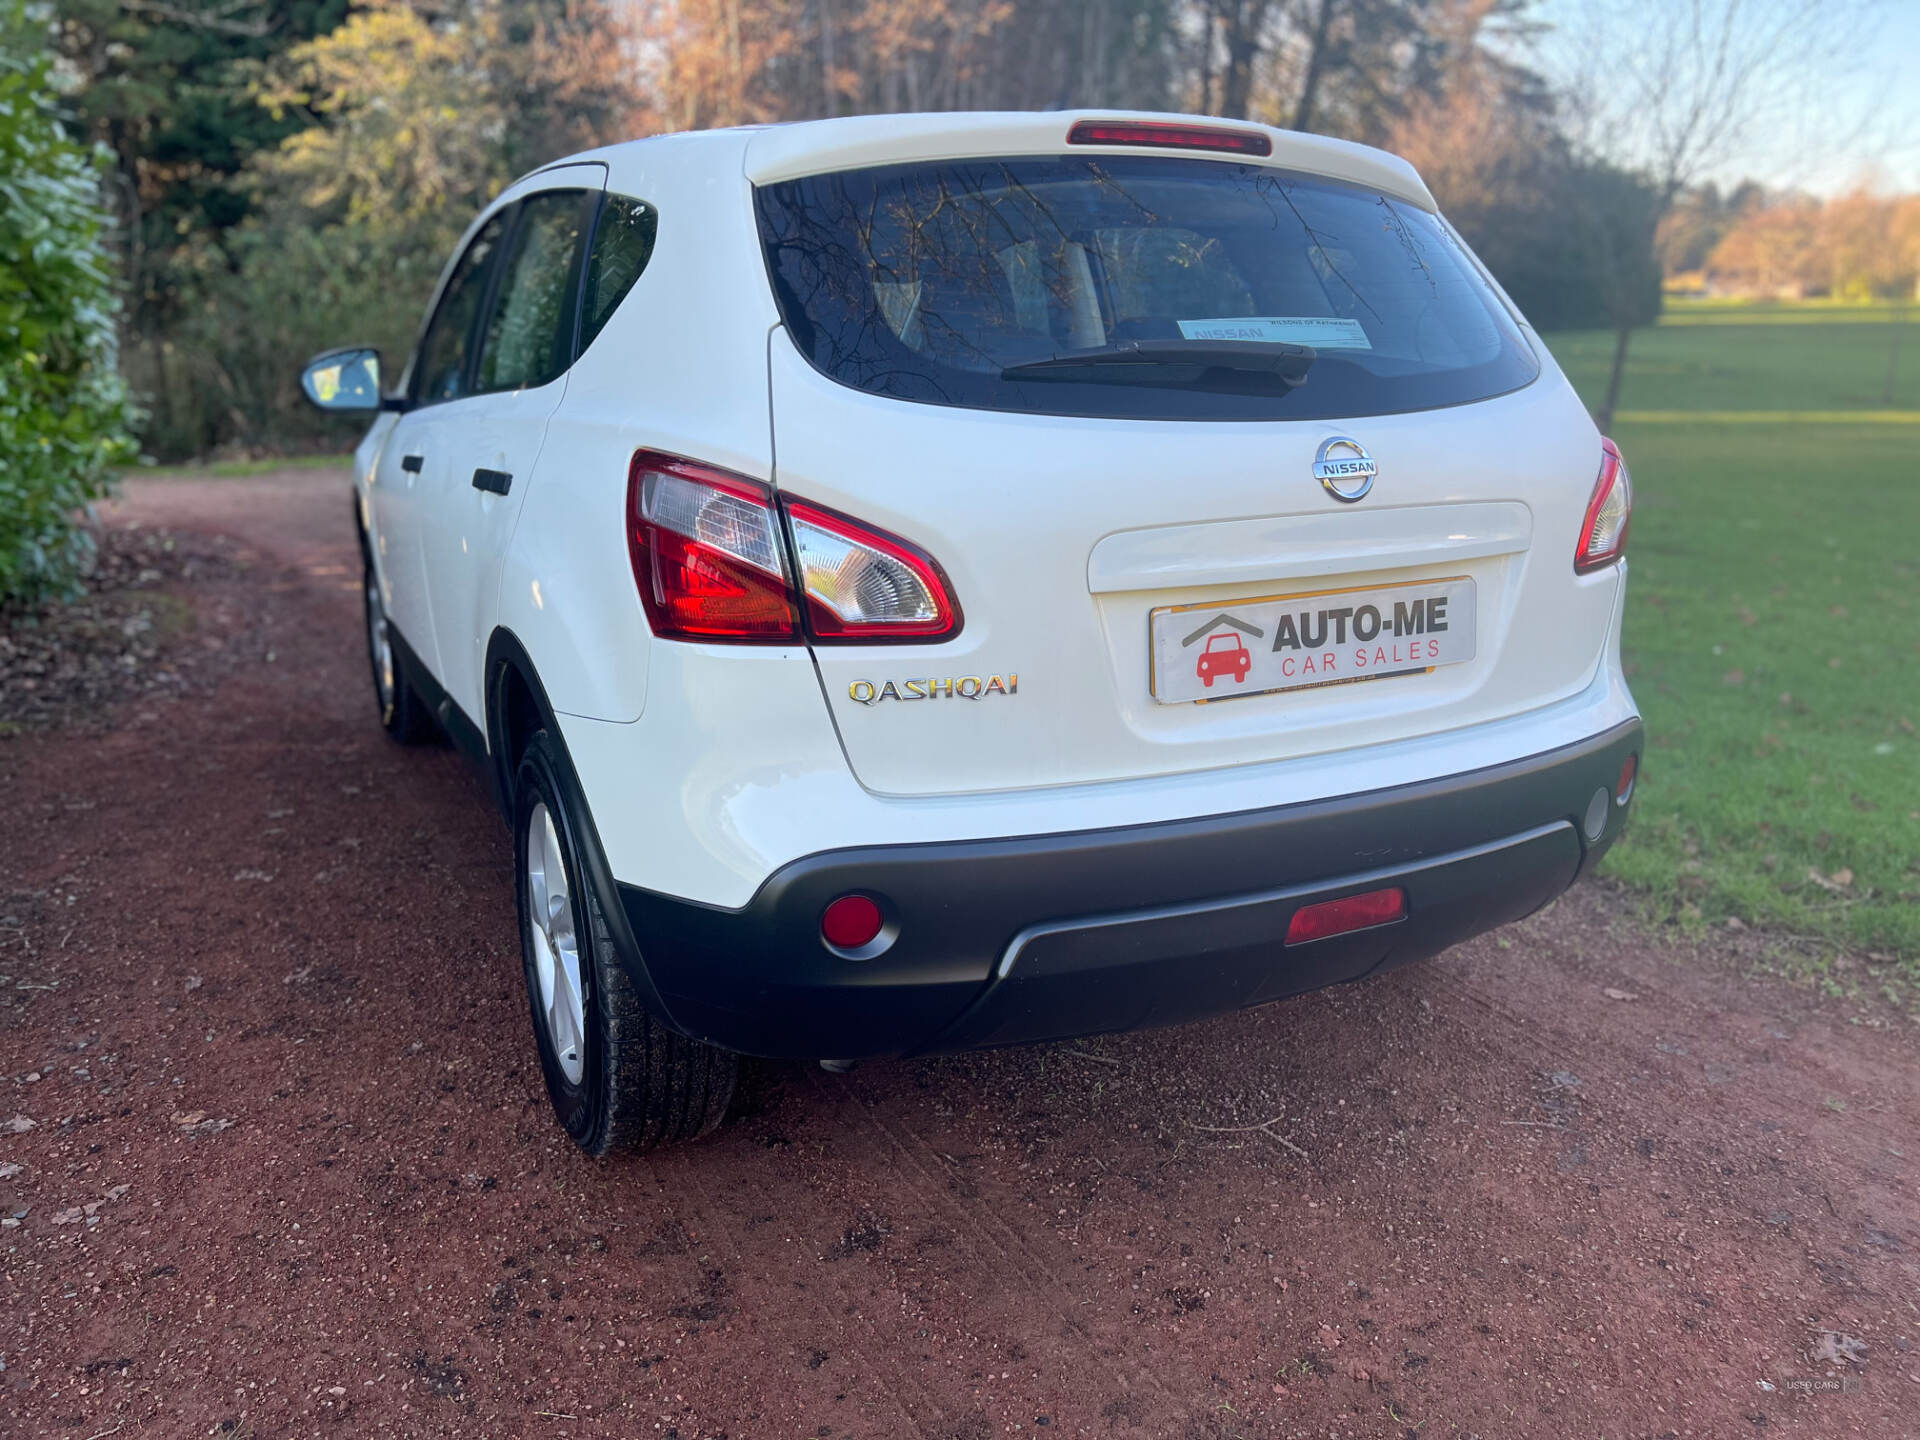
{"points": [[1236, 32], [1353, 68], [723, 62], [1670, 90]]}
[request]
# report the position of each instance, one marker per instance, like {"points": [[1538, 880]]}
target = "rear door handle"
{"points": [[497, 482], [412, 463]]}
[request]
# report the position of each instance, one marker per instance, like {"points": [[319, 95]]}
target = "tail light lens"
{"points": [[711, 564], [706, 553], [863, 584], [1603, 534]]}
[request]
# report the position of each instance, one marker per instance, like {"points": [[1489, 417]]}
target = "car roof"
{"points": [[771, 153]]}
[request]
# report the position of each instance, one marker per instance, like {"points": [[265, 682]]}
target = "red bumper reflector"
{"points": [[850, 922], [1160, 136], [1623, 788], [1351, 912]]}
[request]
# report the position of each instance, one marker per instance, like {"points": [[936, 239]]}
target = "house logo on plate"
{"points": [[1225, 653], [1344, 468]]}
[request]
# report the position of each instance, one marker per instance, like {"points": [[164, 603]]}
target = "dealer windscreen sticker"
{"points": [[1321, 332]]}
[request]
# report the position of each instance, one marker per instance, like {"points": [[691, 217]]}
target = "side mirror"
{"points": [[344, 380]]}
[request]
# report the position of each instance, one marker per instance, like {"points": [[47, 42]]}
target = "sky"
{"points": [[1899, 49], [1860, 122]]}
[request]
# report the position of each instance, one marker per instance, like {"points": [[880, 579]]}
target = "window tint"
{"points": [[934, 282], [621, 247], [529, 334], [442, 370]]}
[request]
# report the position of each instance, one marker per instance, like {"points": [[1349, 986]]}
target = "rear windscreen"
{"points": [[932, 282]]}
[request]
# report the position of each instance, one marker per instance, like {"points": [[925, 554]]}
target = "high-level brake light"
{"points": [[1165, 135]]}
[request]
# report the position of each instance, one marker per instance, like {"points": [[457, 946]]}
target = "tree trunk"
{"points": [[736, 75], [1898, 325], [1094, 56], [1206, 59], [1316, 66], [1245, 27], [1603, 417], [829, 62]]}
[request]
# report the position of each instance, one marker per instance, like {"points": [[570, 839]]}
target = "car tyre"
{"points": [[403, 714], [619, 1080]]}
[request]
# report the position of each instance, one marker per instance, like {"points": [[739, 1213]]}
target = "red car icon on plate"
{"points": [[1226, 654]]}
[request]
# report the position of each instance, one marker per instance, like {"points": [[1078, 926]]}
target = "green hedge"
{"points": [[65, 418]]}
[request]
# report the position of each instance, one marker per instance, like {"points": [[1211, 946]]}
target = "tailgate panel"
{"points": [[1061, 535]]}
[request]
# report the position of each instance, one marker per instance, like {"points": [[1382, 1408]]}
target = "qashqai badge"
{"points": [[1345, 468]]}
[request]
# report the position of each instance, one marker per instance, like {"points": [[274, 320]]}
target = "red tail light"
{"points": [[1603, 534], [706, 553], [712, 564], [1351, 912], [1163, 135]]}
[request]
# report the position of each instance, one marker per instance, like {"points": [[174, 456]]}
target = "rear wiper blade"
{"points": [[1287, 363]]}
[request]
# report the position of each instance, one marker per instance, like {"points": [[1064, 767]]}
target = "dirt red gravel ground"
{"points": [[274, 1137]]}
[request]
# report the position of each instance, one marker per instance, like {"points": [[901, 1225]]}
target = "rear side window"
{"points": [[622, 245], [938, 282], [529, 333], [442, 370]]}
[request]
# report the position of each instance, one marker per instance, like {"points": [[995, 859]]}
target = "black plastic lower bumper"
{"points": [[1006, 941]]}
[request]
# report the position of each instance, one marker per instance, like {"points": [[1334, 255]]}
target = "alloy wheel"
{"points": [[379, 643], [554, 936]]}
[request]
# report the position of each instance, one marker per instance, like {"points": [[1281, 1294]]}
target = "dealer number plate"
{"points": [[1327, 637]]}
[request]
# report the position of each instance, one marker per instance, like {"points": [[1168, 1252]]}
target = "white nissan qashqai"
{"points": [[921, 582]]}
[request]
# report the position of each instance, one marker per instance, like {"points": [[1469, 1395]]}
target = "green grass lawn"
{"points": [[1778, 358], [1773, 623]]}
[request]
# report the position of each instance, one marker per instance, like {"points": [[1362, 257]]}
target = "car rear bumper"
{"points": [[1043, 937]]}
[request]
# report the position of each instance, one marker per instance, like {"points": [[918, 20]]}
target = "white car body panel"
{"points": [[398, 520], [1201, 554], [1019, 507], [465, 549], [469, 531]]}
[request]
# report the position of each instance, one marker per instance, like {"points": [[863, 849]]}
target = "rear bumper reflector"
{"points": [[1347, 914]]}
